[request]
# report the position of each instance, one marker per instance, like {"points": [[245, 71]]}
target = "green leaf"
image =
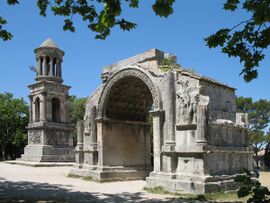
{"points": [[218, 39], [134, 3], [163, 8], [240, 178], [126, 25], [244, 191], [12, 2], [231, 5], [69, 25], [42, 5]]}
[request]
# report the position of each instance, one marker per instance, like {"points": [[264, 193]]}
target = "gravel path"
{"points": [[51, 184], [265, 178]]}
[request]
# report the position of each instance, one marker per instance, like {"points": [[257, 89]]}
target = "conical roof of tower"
{"points": [[49, 43]]}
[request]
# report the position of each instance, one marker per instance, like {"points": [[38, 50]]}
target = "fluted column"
{"points": [[43, 107], [44, 65], [31, 109], [59, 68], [39, 66], [157, 138], [51, 66]]}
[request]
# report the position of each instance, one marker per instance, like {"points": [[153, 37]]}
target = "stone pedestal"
{"points": [[49, 142]]}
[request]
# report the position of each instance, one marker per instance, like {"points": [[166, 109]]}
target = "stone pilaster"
{"points": [[157, 138], [202, 121], [169, 107]]}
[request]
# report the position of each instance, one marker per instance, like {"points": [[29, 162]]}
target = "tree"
{"points": [[247, 40], [259, 118], [13, 120], [267, 154], [101, 15], [77, 111]]}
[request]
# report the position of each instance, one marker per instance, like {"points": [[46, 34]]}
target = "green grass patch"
{"points": [[230, 195], [220, 196], [165, 68], [87, 178], [73, 176], [157, 190]]}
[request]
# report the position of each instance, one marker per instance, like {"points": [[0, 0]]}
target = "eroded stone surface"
{"points": [[198, 145]]}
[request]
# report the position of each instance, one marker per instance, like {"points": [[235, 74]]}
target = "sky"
{"points": [[181, 34]]}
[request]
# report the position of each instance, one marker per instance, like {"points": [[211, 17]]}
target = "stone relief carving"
{"points": [[58, 138], [187, 98], [34, 137]]}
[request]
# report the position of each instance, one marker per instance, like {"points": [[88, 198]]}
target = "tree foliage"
{"points": [[247, 40], [77, 111], [100, 15], [259, 118], [251, 187], [13, 120]]}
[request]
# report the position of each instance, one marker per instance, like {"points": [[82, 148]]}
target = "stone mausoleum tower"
{"points": [[49, 128]]}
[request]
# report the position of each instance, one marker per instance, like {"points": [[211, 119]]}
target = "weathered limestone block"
{"points": [[147, 116]]}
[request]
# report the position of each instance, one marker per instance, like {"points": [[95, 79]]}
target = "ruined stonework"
{"points": [[198, 142], [49, 128]]}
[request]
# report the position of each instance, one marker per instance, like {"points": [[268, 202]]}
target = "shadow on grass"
{"points": [[24, 191]]}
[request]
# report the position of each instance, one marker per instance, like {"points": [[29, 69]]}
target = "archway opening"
{"points": [[127, 125], [37, 109], [56, 110]]}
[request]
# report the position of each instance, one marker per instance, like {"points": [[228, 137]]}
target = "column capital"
{"points": [[156, 112], [44, 93]]}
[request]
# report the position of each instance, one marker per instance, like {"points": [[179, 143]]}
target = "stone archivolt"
{"points": [[198, 142]]}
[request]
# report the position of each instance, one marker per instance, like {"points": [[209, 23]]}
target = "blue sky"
{"points": [[181, 34]]}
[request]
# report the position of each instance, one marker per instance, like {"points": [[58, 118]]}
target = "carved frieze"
{"points": [[58, 138], [187, 98], [34, 137]]}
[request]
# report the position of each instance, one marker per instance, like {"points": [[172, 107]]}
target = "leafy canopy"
{"points": [[76, 112], [249, 39], [259, 118], [252, 188], [101, 15], [13, 120]]}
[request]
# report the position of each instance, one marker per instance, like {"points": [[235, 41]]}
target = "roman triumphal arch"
{"points": [[151, 119]]}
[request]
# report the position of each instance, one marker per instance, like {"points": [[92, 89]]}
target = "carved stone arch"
{"points": [[129, 72]]}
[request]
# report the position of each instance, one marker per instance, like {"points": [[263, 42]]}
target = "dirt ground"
{"points": [[265, 178], [51, 184]]}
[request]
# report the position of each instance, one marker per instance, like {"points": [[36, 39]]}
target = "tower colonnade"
{"points": [[49, 66]]}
